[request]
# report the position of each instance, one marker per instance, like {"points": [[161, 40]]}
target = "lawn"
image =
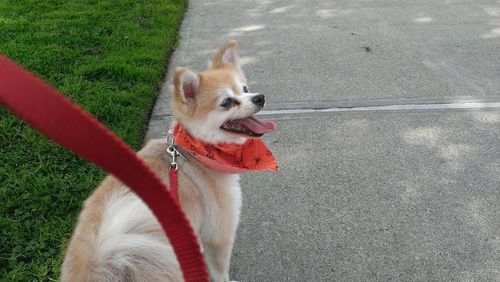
{"points": [[108, 56]]}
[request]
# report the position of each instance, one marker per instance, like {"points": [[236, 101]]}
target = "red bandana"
{"points": [[227, 158]]}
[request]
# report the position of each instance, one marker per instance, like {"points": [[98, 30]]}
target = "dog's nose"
{"points": [[259, 100]]}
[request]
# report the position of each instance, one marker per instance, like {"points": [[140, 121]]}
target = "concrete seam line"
{"points": [[386, 108]]}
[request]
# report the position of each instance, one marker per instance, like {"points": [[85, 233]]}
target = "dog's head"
{"points": [[216, 105]]}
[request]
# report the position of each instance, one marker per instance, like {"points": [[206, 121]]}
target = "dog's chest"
{"points": [[225, 195], [222, 204]]}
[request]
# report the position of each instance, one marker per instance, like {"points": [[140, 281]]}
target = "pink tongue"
{"points": [[258, 126]]}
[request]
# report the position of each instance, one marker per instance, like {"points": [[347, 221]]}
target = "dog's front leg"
{"points": [[218, 255]]}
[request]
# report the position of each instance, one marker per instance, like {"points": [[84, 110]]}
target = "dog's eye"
{"points": [[245, 89], [227, 103]]}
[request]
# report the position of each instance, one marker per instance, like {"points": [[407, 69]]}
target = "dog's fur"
{"points": [[118, 239]]}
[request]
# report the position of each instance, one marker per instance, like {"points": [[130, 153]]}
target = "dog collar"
{"points": [[253, 155]]}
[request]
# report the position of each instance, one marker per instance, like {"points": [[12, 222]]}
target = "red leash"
{"points": [[62, 121], [173, 184]]}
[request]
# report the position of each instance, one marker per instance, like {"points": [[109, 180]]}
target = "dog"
{"points": [[117, 238]]}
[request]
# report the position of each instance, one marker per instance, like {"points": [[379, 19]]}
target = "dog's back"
{"points": [[118, 239]]}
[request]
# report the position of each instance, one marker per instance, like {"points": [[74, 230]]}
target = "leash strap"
{"points": [[62, 121], [173, 184]]}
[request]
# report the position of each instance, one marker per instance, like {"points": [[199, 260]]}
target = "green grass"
{"points": [[108, 56]]}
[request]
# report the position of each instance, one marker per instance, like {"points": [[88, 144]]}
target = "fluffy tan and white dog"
{"points": [[118, 239]]}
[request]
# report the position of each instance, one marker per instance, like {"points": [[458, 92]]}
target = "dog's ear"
{"points": [[227, 55], [186, 83]]}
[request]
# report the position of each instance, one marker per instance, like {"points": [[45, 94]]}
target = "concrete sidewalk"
{"points": [[372, 194]]}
